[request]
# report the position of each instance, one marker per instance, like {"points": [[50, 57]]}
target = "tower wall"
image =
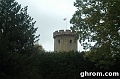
{"points": [[64, 41]]}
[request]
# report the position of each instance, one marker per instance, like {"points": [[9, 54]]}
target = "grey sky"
{"points": [[49, 15]]}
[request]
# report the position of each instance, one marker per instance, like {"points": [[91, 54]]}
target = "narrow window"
{"points": [[58, 41], [70, 41]]}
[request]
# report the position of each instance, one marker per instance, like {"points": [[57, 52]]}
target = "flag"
{"points": [[64, 19]]}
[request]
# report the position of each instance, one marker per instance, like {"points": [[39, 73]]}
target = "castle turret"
{"points": [[64, 41]]}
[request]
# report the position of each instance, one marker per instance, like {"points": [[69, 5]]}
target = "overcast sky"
{"points": [[49, 15]]}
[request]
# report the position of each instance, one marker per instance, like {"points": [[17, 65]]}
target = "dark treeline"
{"points": [[69, 65], [50, 65], [63, 65]]}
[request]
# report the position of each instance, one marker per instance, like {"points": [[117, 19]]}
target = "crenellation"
{"points": [[62, 32], [68, 30]]}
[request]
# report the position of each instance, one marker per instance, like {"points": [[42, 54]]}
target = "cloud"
{"points": [[49, 15]]}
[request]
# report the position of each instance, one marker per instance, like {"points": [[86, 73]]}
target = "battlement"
{"points": [[63, 33]]}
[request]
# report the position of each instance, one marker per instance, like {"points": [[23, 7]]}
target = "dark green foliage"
{"points": [[68, 65], [98, 21], [17, 30], [18, 56], [65, 65]]}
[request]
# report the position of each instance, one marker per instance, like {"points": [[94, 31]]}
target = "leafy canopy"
{"points": [[98, 21], [18, 55], [17, 31]]}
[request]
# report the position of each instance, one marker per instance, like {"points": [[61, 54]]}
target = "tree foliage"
{"points": [[17, 31], [98, 21], [65, 65], [39, 47], [18, 56], [69, 65]]}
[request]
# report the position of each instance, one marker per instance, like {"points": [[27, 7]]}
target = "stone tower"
{"points": [[64, 41]]}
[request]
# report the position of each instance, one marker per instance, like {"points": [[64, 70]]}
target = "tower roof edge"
{"points": [[63, 33]]}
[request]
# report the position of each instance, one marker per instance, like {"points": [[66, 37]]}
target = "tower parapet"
{"points": [[62, 33]]}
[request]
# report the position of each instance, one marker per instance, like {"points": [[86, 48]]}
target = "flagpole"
{"points": [[66, 23]]}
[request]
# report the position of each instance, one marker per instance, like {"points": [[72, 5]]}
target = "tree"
{"points": [[18, 58], [65, 65], [17, 31], [39, 47], [98, 21]]}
